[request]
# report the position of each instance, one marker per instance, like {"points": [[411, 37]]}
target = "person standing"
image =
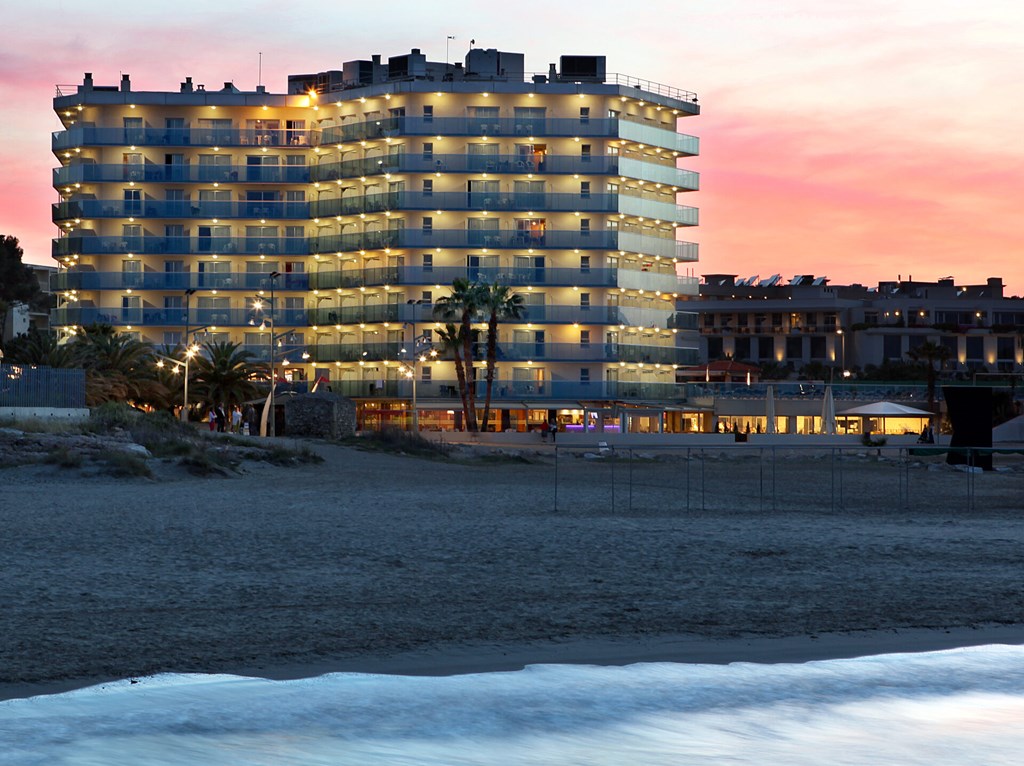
{"points": [[236, 420], [221, 418], [212, 418], [554, 430], [544, 427], [249, 416]]}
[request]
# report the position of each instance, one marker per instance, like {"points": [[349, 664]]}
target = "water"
{"points": [[963, 706]]}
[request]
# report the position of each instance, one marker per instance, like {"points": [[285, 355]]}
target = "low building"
{"points": [[806, 319]]}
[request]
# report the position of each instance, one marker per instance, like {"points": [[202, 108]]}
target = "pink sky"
{"points": [[860, 141]]}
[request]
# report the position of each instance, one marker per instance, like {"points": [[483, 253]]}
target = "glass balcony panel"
{"points": [[665, 174], [664, 137]]}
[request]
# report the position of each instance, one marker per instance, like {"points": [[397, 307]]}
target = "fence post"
{"points": [[556, 478], [630, 478], [687, 478], [703, 493]]}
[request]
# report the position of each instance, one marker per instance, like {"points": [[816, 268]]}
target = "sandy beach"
{"points": [[380, 563]]}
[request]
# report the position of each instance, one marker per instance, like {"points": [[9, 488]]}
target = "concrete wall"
{"points": [[44, 413]]}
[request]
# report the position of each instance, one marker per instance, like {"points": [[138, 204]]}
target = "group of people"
{"points": [[236, 420], [927, 436], [549, 428]]}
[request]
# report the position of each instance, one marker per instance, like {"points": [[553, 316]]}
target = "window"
{"points": [[585, 264], [584, 300], [584, 374], [428, 188], [428, 261], [585, 189], [1004, 348], [794, 348], [584, 114], [585, 152], [425, 373], [817, 347], [172, 339], [891, 347], [428, 150], [428, 113], [427, 296], [585, 226], [428, 224], [584, 338]]}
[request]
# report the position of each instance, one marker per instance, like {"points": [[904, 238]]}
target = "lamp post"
{"points": [[258, 306], [419, 354], [188, 354]]}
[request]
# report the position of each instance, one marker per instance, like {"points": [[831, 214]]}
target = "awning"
{"points": [[885, 410]]}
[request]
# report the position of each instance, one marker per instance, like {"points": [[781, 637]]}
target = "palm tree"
{"points": [[451, 340], [225, 374], [41, 348], [498, 302], [463, 305], [929, 353], [118, 368]]}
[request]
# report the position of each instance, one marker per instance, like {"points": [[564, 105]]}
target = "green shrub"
{"points": [[398, 441], [111, 415], [64, 458], [124, 464]]}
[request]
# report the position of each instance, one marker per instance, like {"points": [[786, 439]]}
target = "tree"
{"points": [[451, 340], [18, 283], [499, 303], [225, 374], [463, 305], [41, 348], [929, 353], [118, 368]]}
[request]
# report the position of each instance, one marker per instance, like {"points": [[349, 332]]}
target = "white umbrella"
{"points": [[769, 409], [828, 413]]}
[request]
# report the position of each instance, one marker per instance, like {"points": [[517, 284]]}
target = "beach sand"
{"points": [[381, 563]]}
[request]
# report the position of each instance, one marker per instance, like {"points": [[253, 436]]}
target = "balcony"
{"points": [[108, 208], [558, 239], [175, 281], [515, 391], [466, 163], [662, 278], [417, 311], [85, 172], [514, 202], [516, 352], [546, 127], [654, 172], [152, 245], [160, 317], [178, 137]]}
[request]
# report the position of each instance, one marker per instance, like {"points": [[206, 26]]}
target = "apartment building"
{"points": [[345, 207], [805, 319]]}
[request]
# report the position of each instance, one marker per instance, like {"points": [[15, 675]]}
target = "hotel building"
{"points": [[355, 199]]}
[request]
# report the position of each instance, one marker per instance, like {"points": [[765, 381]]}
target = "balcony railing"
{"points": [[516, 352], [505, 390], [515, 201], [148, 245], [78, 136], [161, 317], [173, 281], [505, 163], [115, 208], [155, 173], [547, 127], [663, 278], [605, 239], [629, 316]]}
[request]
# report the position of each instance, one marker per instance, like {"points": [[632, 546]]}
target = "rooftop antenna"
{"points": [[260, 83], [446, 44]]}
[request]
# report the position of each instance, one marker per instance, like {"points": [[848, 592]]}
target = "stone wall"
{"points": [[322, 415]]}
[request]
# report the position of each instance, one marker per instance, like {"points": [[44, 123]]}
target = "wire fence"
{"points": [[768, 479], [32, 386]]}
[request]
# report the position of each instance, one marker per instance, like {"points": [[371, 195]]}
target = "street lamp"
{"points": [[189, 351], [422, 350], [258, 306]]}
